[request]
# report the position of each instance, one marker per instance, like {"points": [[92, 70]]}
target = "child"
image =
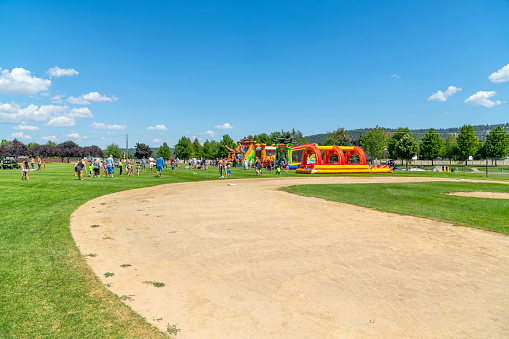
{"points": [[131, 169], [278, 170], [229, 172], [172, 166], [138, 169], [90, 169], [24, 171]]}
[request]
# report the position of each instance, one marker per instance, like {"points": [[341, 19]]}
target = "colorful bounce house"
{"points": [[322, 160], [250, 150]]}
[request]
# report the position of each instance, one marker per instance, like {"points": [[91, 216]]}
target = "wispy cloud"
{"points": [[20, 135], [442, 96], [502, 75], [57, 72], [100, 125], [224, 126], [86, 99], [27, 128], [481, 98], [158, 128]]}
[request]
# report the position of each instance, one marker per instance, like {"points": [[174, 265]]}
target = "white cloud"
{"points": [[442, 96], [188, 132], [82, 112], [224, 126], [395, 76], [13, 112], [19, 82], [57, 72], [86, 99], [57, 99], [157, 140], [158, 128], [27, 128], [20, 135], [481, 98], [73, 136], [9, 108], [210, 133], [51, 137], [100, 125], [502, 75], [61, 121]]}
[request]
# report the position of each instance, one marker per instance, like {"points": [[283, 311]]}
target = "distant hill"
{"points": [[480, 131]]}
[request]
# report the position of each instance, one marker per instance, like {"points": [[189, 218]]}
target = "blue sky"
{"points": [[95, 71]]}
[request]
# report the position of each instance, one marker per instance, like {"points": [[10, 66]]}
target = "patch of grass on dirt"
{"points": [[155, 283], [428, 200]]}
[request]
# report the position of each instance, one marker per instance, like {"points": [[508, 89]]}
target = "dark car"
{"points": [[10, 162]]}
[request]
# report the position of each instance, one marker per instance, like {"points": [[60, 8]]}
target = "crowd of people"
{"points": [[130, 166], [225, 165], [107, 166]]}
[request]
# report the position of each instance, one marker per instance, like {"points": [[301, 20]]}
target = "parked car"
{"points": [[10, 162]]}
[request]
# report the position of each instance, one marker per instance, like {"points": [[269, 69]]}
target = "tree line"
{"points": [[378, 143]]}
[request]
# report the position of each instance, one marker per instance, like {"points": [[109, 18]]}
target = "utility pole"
{"points": [[127, 146]]}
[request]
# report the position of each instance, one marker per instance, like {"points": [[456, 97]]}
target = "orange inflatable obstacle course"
{"points": [[337, 159]]}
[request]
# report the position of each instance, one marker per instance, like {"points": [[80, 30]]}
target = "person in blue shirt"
{"points": [[159, 165], [110, 163]]}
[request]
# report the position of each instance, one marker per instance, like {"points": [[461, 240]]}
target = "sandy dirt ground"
{"points": [[492, 195], [249, 261]]}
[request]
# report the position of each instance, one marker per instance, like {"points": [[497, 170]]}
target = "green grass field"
{"points": [[428, 200], [46, 287]]}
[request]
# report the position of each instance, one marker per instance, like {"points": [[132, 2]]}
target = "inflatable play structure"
{"points": [[335, 159], [250, 150]]}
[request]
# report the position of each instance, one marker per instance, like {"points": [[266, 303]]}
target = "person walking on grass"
{"points": [[79, 168], [24, 171], [120, 166], [110, 164], [258, 167], [172, 161], [221, 168], [97, 168], [159, 165], [39, 162], [144, 164]]}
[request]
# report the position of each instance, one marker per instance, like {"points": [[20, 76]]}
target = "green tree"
{"points": [[339, 137], [497, 144], [468, 144], [225, 141], [5, 143], [432, 145], [451, 147], [214, 149], [374, 142], [164, 151], [403, 145], [394, 139], [50, 143], [184, 148], [263, 138], [206, 150], [142, 150], [274, 137], [114, 150], [196, 148], [31, 144]]}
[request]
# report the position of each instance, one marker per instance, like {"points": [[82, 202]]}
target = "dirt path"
{"points": [[249, 261]]}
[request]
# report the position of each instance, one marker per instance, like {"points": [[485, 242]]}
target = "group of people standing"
{"points": [[108, 165]]}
